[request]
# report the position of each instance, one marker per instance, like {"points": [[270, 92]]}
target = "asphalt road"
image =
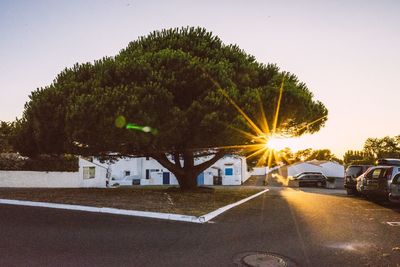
{"points": [[313, 227]]}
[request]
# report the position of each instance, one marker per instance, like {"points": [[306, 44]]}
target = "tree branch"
{"points": [[210, 162], [177, 159], [164, 161]]}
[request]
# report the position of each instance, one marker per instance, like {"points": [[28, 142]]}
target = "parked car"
{"points": [[125, 181], [378, 180], [350, 177], [389, 162], [310, 178], [394, 191]]}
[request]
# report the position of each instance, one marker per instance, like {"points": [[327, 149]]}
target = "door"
{"points": [[165, 177], [395, 186], [200, 179]]}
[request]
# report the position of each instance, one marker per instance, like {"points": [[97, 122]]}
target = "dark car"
{"points": [[380, 181], [388, 162], [310, 178], [350, 178]]}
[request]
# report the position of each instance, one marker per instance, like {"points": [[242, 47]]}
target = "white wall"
{"points": [[38, 179], [100, 175], [333, 169], [230, 162], [54, 179], [118, 168], [259, 171]]}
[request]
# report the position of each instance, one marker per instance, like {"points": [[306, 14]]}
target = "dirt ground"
{"points": [[157, 199]]}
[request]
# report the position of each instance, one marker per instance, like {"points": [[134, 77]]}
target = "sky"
{"points": [[346, 51]]}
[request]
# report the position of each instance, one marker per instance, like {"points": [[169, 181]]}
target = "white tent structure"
{"points": [[328, 168]]}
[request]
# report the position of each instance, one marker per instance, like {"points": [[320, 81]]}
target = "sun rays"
{"points": [[265, 142]]}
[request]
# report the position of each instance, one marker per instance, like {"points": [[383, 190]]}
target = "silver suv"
{"points": [[382, 180]]}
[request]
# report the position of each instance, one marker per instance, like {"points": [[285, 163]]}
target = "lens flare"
{"points": [[120, 122], [145, 129]]}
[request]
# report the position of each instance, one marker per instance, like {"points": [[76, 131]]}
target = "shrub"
{"points": [[14, 162]]}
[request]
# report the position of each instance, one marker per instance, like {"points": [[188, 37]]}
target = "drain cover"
{"points": [[263, 259]]}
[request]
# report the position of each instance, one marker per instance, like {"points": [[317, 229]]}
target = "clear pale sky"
{"points": [[347, 52]]}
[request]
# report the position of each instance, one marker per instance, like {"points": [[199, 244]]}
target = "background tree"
{"points": [[181, 84], [374, 148], [386, 147], [6, 134], [354, 157]]}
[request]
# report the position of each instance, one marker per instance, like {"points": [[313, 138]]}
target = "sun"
{"points": [[276, 143]]}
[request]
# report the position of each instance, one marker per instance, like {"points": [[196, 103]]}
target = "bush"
{"points": [[14, 162]]}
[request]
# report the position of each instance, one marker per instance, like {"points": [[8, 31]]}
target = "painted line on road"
{"points": [[217, 212], [136, 213], [393, 223]]}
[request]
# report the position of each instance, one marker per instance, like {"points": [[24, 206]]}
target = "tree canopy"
{"points": [[176, 89], [290, 157], [374, 148]]}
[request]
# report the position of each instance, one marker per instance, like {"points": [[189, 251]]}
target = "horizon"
{"points": [[345, 52]]}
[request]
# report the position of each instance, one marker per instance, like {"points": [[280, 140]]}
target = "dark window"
{"points": [[127, 173], [147, 158], [147, 174], [354, 171], [396, 179]]}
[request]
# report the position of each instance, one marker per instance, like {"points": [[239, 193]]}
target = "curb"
{"points": [[147, 214]]}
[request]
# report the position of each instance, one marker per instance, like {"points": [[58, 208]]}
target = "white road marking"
{"points": [[393, 223], [156, 215]]}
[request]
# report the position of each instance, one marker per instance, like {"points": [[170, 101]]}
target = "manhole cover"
{"points": [[263, 259]]}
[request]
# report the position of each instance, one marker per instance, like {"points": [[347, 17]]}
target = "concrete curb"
{"points": [[147, 214]]}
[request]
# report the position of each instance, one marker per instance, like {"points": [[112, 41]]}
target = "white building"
{"points": [[328, 168], [229, 170]]}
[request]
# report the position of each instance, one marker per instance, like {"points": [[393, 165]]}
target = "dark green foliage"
{"points": [[374, 148], [386, 147], [14, 162], [355, 157], [7, 130], [289, 157]]}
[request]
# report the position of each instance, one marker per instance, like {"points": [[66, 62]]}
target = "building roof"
{"points": [[315, 162]]}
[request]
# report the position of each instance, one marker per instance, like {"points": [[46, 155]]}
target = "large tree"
{"points": [[185, 85]]}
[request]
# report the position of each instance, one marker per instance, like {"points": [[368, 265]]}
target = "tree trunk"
{"points": [[186, 174], [187, 181]]}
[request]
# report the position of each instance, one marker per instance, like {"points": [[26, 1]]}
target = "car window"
{"points": [[396, 179], [376, 173], [354, 171]]}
